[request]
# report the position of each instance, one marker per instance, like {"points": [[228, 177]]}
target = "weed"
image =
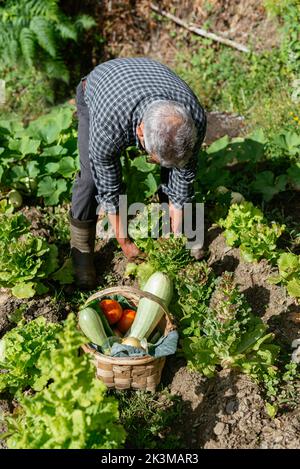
{"points": [[149, 419]]}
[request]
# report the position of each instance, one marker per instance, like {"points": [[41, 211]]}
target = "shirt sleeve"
{"points": [[106, 168]]}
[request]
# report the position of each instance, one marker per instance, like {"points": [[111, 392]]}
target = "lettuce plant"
{"points": [[289, 273], [20, 350], [231, 336], [70, 409], [25, 260], [246, 227]]}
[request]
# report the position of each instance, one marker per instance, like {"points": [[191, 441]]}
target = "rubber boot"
{"points": [[83, 235]]}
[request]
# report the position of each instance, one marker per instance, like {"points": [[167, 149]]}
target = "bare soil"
{"points": [[227, 412], [131, 28]]}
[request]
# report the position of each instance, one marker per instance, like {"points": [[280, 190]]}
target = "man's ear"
{"points": [[140, 130]]}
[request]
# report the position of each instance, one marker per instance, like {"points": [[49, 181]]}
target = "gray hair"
{"points": [[169, 133]]}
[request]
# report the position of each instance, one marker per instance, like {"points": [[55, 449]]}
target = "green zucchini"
{"points": [[149, 313], [91, 325], [96, 306]]}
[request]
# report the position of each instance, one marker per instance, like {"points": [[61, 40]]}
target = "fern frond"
{"points": [[85, 22], [46, 8], [67, 31], [45, 34], [27, 43], [55, 68], [11, 53]]}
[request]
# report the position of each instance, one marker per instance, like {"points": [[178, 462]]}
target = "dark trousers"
{"points": [[84, 204]]}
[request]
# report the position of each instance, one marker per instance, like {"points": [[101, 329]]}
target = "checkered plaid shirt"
{"points": [[117, 94]]}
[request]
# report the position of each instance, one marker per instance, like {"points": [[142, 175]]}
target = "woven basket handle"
{"points": [[132, 291]]}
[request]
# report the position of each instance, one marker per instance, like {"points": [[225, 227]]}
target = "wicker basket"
{"points": [[136, 372]]}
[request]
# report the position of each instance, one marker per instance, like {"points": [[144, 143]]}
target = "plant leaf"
{"points": [[44, 33], [25, 145], [24, 290], [65, 275], [51, 189], [293, 288]]}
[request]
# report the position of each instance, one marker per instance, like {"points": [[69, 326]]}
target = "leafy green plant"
{"points": [[41, 159], [294, 176], [267, 185], [70, 409], [289, 273], [21, 349], [167, 255], [27, 94], [145, 176], [57, 219], [281, 388], [231, 336], [32, 32], [194, 285], [287, 144], [26, 260], [246, 227], [146, 226]]}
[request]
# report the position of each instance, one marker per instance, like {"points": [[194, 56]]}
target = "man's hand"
{"points": [[130, 250]]}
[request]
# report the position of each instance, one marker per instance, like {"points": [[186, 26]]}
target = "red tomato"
{"points": [[126, 320], [112, 310]]}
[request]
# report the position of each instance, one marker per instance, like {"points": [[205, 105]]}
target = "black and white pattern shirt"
{"points": [[117, 94]]}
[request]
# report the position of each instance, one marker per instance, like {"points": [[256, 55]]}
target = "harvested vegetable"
{"points": [[149, 313], [91, 325], [126, 320], [133, 341], [112, 310]]}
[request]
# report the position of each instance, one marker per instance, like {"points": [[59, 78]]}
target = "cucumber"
{"points": [[91, 325], [96, 306]]}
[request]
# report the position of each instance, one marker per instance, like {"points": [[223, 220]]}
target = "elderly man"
{"points": [[124, 102]]}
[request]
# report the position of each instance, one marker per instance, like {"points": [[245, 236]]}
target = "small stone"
{"points": [[278, 438], [264, 445], [231, 407], [268, 430], [219, 428]]}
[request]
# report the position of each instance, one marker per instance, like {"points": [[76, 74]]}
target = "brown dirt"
{"points": [[47, 306], [36, 217], [220, 124], [131, 28], [227, 412]]}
